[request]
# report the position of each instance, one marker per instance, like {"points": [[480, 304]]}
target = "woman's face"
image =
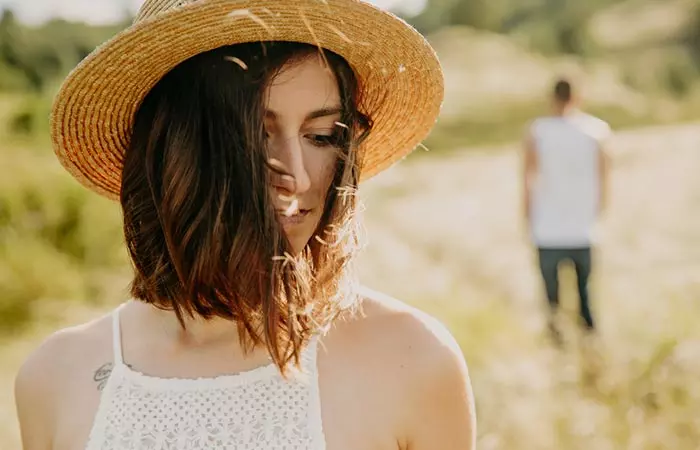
{"points": [[302, 109]]}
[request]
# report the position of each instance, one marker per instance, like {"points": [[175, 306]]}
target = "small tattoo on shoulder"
{"points": [[102, 375]]}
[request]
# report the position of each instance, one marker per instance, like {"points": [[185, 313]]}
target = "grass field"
{"points": [[445, 235]]}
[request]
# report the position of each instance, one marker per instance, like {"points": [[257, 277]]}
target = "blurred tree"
{"points": [[693, 34], [482, 14], [435, 15], [559, 26], [12, 77], [570, 20], [9, 35], [40, 55], [18, 52]]}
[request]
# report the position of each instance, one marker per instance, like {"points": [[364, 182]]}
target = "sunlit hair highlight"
{"points": [[199, 221]]}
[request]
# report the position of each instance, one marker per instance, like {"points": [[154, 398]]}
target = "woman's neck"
{"points": [[197, 331]]}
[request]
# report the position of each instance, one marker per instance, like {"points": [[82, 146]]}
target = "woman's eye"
{"points": [[323, 140]]}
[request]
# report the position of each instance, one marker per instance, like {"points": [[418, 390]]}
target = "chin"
{"points": [[298, 243], [300, 234]]}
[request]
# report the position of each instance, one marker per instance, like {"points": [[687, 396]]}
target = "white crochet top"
{"points": [[253, 410]]}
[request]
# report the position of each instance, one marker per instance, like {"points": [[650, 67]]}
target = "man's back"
{"points": [[565, 184], [565, 196]]}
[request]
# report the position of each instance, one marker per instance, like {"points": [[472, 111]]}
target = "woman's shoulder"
{"points": [[391, 337], [59, 357], [408, 362], [63, 348], [397, 328]]}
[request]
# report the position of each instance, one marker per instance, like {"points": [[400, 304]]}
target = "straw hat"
{"points": [[400, 74]]}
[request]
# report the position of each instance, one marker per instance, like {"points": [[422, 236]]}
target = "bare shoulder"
{"points": [[61, 351], [417, 366], [44, 378], [421, 337]]}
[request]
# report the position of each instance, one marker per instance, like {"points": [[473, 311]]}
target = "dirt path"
{"points": [[458, 217]]}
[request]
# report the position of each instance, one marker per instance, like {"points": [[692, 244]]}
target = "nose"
{"points": [[290, 155]]}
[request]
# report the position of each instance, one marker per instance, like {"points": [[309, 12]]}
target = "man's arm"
{"points": [[529, 172], [603, 178]]}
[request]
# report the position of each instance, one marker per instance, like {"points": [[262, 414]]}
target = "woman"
{"points": [[234, 134]]}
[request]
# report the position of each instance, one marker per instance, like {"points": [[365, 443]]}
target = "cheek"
{"points": [[324, 165]]}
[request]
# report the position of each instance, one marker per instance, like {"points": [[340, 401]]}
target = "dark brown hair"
{"points": [[199, 222], [563, 91]]}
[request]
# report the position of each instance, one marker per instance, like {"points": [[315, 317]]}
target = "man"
{"points": [[565, 188]]}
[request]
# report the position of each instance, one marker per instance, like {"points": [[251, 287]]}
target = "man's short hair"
{"points": [[563, 91]]}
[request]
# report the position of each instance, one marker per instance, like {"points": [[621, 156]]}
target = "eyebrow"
{"points": [[323, 112]]}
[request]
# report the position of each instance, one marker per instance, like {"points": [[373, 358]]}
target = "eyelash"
{"points": [[321, 140]]}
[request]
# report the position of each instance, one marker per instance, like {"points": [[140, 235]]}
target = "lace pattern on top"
{"points": [[253, 410]]}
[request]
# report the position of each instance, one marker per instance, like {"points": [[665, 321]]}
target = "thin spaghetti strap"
{"points": [[310, 353], [117, 337]]}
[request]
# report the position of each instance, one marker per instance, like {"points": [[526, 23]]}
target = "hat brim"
{"points": [[400, 75]]}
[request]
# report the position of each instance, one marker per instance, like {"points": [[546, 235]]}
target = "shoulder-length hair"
{"points": [[199, 222]]}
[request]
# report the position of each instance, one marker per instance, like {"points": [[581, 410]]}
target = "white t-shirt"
{"points": [[564, 199]]}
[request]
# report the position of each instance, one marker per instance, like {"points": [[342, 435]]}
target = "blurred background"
{"points": [[448, 219]]}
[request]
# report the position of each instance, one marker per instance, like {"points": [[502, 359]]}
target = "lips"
{"points": [[293, 219]]}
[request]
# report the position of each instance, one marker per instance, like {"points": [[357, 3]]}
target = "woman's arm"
{"points": [[33, 397], [443, 410]]}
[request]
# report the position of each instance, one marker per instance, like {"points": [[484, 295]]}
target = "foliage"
{"points": [[35, 57], [55, 236]]}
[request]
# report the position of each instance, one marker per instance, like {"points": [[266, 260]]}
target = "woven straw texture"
{"points": [[399, 72]]}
